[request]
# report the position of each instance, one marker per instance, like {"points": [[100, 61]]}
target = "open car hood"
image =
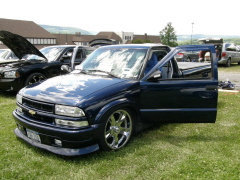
{"points": [[101, 42], [19, 45]]}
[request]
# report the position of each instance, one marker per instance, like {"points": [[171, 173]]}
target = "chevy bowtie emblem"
{"points": [[32, 112]]}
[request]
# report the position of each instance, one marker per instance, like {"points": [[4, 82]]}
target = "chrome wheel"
{"points": [[118, 129]]}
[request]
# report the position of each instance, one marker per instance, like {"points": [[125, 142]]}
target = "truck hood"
{"points": [[18, 64], [19, 45], [68, 89]]}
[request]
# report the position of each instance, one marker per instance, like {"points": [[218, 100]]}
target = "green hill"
{"points": [[198, 36], [64, 30]]}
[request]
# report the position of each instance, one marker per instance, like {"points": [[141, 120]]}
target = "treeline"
{"points": [[195, 42]]}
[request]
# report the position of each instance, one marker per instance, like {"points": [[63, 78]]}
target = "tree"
{"points": [[168, 36]]}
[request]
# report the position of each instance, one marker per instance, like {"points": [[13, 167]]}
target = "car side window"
{"points": [[230, 47], [155, 57], [79, 54], [177, 69], [69, 53]]}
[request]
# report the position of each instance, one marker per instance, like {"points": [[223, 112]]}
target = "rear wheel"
{"points": [[34, 78], [238, 63], [228, 63], [117, 130]]}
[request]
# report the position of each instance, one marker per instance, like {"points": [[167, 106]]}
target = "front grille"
{"points": [[38, 105], [39, 117], [43, 112]]}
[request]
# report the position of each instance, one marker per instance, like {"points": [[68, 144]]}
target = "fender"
{"points": [[120, 103]]}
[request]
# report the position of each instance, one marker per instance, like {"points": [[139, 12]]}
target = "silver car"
{"points": [[226, 53], [187, 56]]}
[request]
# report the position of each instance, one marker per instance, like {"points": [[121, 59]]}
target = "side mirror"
{"points": [[66, 57], [155, 76], [65, 69]]}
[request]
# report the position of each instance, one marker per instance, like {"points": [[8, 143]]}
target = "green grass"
{"points": [[234, 68], [169, 151]]}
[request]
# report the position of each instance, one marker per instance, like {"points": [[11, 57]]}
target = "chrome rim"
{"points": [[36, 79], [118, 129]]}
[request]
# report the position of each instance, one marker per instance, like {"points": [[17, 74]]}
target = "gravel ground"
{"points": [[233, 77]]}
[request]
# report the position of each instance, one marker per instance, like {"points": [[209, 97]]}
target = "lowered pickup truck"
{"points": [[114, 92]]}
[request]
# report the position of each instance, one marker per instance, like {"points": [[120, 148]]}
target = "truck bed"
{"points": [[196, 70], [191, 65]]}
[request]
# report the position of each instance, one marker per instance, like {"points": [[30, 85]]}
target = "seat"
{"points": [[151, 63]]}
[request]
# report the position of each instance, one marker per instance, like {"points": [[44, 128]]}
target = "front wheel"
{"points": [[34, 78], [118, 129]]}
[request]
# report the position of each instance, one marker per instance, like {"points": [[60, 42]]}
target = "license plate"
{"points": [[33, 135]]}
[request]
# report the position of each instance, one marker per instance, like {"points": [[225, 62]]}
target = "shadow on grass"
{"points": [[8, 94]]}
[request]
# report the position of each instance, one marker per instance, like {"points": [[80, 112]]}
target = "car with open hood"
{"points": [[39, 64], [116, 91]]}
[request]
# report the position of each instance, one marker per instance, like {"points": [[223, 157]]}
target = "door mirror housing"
{"points": [[155, 76], [65, 69]]}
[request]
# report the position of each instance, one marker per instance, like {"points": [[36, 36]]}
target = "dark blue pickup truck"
{"points": [[114, 93]]}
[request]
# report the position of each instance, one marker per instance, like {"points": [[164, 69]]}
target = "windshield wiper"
{"points": [[108, 73]]}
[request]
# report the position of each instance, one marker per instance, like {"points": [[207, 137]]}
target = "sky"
{"points": [[210, 17]]}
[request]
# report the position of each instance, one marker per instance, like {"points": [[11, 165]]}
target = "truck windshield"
{"points": [[121, 63], [49, 52]]}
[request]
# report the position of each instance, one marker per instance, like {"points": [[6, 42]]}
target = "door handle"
{"points": [[211, 87]]}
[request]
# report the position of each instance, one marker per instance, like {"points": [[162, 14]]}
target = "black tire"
{"points": [[34, 78], [188, 59], [238, 63], [228, 63], [118, 129]]}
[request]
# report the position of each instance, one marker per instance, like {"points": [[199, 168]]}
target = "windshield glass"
{"points": [[3, 53], [49, 52], [121, 63]]}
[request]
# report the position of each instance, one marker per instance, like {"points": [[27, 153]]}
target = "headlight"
{"points": [[71, 123], [11, 74], [69, 111], [19, 98]]}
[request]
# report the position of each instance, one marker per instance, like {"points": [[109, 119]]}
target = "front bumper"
{"points": [[58, 150], [74, 142], [10, 84]]}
